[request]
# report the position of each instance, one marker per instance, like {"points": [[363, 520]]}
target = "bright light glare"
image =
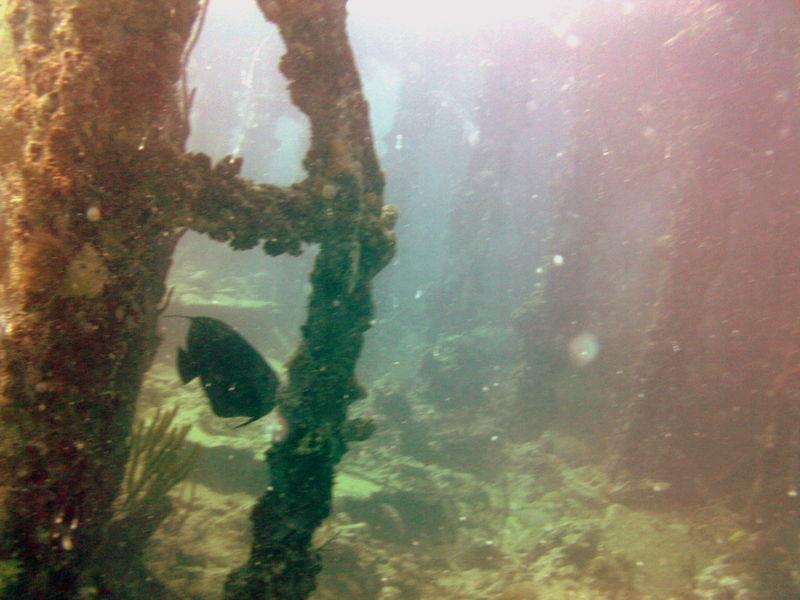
{"points": [[458, 15]]}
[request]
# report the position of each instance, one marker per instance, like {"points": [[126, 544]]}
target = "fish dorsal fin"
{"points": [[187, 368]]}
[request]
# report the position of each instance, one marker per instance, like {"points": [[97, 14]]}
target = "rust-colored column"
{"points": [[87, 257]]}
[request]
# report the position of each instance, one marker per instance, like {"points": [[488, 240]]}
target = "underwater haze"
{"points": [[584, 365]]}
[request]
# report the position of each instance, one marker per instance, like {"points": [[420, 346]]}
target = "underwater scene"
{"points": [[374, 300]]}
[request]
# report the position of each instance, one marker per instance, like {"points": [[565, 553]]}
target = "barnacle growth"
{"points": [[86, 274]]}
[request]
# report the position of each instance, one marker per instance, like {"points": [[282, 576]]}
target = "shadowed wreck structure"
{"points": [[97, 190], [707, 402]]}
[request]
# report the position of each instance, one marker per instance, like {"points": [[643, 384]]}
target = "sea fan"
{"points": [[160, 458]]}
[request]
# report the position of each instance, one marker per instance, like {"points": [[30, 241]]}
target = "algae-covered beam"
{"points": [[214, 200], [356, 243]]}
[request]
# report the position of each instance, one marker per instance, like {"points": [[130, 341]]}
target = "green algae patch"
{"points": [[9, 571], [353, 486]]}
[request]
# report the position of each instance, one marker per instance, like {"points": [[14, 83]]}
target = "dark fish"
{"points": [[236, 379]]}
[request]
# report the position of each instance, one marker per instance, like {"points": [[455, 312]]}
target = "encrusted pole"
{"points": [[87, 257], [355, 244]]}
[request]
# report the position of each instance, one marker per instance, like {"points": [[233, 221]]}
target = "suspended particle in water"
{"points": [[583, 348], [329, 191], [93, 214], [398, 143], [473, 137], [558, 260]]}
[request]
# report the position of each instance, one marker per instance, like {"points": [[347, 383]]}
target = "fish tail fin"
{"points": [[187, 368], [250, 420]]}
